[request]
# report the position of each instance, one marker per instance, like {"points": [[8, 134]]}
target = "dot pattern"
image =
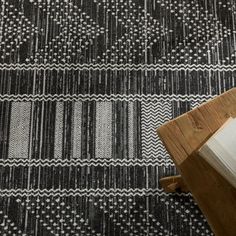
{"points": [[118, 32], [83, 86]]}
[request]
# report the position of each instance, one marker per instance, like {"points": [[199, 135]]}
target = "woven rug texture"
{"points": [[84, 84]]}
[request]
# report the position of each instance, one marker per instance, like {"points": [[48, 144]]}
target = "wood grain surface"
{"points": [[182, 137]]}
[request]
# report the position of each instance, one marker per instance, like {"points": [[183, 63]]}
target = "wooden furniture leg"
{"points": [[172, 184], [182, 137]]}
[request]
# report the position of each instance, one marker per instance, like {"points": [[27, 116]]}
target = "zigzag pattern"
{"points": [[84, 162], [109, 66], [196, 103], [112, 97], [153, 115], [87, 192]]}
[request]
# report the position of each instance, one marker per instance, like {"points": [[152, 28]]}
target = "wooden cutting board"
{"points": [[182, 137]]}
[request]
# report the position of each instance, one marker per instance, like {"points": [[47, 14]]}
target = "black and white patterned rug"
{"points": [[83, 86]]}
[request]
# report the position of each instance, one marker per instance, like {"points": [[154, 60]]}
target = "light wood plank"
{"points": [[182, 137], [174, 149], [173, 184], [213, 118]]}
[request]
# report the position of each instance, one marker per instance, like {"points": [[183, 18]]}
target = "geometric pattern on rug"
{"points": [[64, 183], [83, 87]]}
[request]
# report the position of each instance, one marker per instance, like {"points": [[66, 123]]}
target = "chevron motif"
{"points": [[70, 32], [154, 114]]}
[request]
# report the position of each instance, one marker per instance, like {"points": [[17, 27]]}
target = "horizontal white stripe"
{"points": [[123, 163], [88, 192], [132, 67], [100, 97]]}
